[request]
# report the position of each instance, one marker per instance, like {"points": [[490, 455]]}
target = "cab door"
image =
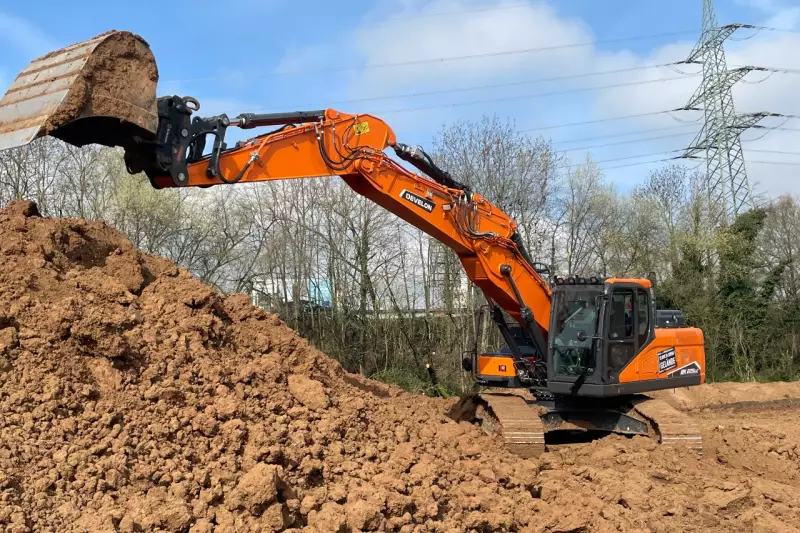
{"points": [[628, 327]]}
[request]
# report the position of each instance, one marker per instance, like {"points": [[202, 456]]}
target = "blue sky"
{"points": [[271, 55]]}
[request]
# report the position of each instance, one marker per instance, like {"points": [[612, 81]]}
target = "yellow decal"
{"points": [[360, 128]]}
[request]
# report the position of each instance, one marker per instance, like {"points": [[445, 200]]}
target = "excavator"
{"points": [[581, 353]]}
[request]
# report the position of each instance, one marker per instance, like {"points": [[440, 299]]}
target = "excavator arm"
{"points": [[353, 147], [103, 91]]}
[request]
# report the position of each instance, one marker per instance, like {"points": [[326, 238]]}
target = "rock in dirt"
{"points": [[255, 489], [308, 392]]}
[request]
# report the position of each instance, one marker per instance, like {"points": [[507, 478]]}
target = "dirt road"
{"points": [[134, 398], [747, 480]]}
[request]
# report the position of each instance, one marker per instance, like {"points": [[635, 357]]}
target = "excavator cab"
{"points": [[606, 339]]}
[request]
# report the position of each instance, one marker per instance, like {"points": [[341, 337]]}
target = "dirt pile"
{"points": [[718, 394], [134, 398]]}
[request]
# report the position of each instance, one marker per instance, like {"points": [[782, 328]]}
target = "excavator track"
{"points": [[674, 428], [513, 418]]}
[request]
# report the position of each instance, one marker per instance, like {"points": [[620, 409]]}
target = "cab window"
{"points": [[643, 315], [621, 326]]}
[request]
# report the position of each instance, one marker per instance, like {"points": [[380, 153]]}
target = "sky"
{"points": [[535, 62]]}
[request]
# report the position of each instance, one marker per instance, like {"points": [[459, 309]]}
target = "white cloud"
{"points": [[775, 94], [780, 13], [405, 32], [381, 39], [23, 36], [471, 33]]}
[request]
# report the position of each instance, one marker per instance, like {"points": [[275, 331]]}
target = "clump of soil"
{"points": [[134, 398]]}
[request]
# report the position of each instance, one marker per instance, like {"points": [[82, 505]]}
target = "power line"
{"points": [[528, 96], [660, 137], [635, 164], [664, 160], [669, 159], [632, 141], [600, 120], [784, 70], [780, 70], [781, 152], [787, 163], [493, 86], [769, 28], [608, 136], [625, 158], [437, 60], [623, 134]]}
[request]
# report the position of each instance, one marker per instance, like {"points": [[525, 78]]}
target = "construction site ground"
{"points": [[134, 398]]}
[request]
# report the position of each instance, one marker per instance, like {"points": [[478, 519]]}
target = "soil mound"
{"points": [[134, 398], [718, 394]]}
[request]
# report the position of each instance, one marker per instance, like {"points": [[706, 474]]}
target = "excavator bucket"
{"points": [[101, 91]]}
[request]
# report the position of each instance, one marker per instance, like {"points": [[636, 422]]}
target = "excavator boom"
{"points": [[332, 143]]}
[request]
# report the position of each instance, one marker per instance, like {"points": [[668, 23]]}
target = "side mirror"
{"points": [[581, 336], [466, 364]]}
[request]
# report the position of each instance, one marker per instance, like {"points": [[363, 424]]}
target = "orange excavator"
{"points": [[580, 352]]}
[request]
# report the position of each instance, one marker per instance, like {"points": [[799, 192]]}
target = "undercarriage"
{"points": [[523, 420]]}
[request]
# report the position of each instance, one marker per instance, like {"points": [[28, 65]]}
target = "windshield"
{"points": [[576, 312]]}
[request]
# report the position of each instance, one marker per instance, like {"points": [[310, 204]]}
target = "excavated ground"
{"points": [[134, 398]]}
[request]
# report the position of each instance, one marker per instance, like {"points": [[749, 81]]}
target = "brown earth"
{"points": [[119, 80], [134, 398], [710, 395]]}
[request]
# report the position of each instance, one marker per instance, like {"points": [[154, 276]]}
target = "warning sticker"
{"points": [[360, 128]]}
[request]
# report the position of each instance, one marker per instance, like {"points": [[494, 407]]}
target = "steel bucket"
{"points": [[101, 91]]}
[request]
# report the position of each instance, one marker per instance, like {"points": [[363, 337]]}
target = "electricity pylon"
{"points": [[719, 139]]}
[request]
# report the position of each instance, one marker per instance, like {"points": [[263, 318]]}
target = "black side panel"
{"points": [[670, 318], [620, 389]]}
